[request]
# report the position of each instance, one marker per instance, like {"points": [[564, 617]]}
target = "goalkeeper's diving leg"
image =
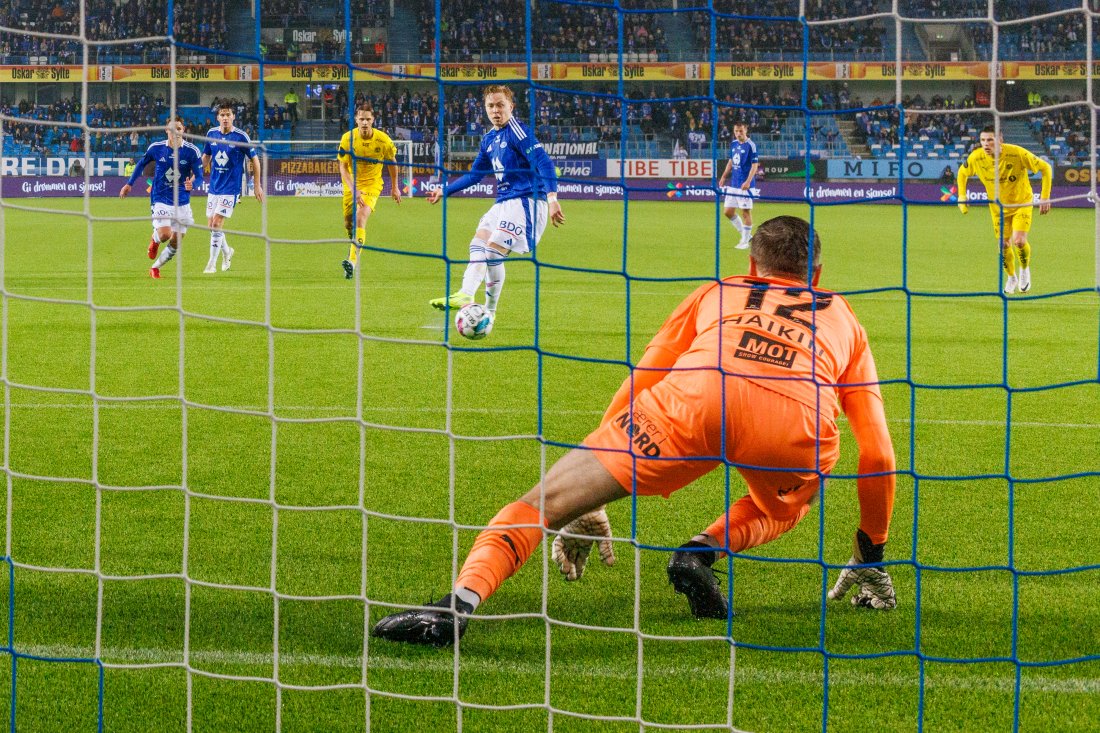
{"points": [[577, 486]]}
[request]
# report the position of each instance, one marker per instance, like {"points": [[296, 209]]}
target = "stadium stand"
{"points": [[196, 24]]}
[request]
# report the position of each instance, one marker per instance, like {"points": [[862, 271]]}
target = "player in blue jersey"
{"points": [[227, 148], [526, 197], [178, 171], [740, 170]]}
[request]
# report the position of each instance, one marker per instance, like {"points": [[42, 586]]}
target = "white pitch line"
{"points": [[443, 663], [1065, 302], [170, 403]]}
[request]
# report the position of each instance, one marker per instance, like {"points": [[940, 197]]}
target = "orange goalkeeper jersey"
{"points": [[776, 333]]}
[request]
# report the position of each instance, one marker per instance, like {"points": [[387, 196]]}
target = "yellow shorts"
{"points": [[369, 194], [1016, 220]]}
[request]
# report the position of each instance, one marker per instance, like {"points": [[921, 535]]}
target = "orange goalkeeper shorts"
{"points": [[689, 422]]}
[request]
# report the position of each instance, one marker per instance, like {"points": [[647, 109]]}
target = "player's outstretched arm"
{"points": [[572, 547], [875, 487], [876, 588], [139, 169], [675, 337], [481, 167]]}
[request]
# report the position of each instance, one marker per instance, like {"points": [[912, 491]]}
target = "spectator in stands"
{"points": [[290, 99]]}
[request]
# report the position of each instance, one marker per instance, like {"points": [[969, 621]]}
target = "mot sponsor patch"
{"points": [[755, 347]]}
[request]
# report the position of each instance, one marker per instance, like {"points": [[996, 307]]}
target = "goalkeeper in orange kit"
{"points": [[751, 371], [1009, 164]]}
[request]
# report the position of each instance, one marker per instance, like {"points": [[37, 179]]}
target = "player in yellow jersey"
{"points": [[363, 152], [1013, 165]]}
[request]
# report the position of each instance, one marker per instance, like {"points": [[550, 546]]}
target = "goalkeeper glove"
{"points": [[571, 553], [876, 589], [964, 208]]}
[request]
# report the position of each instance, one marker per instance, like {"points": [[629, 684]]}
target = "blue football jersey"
{"points": [[519, 162], [743, 156], [227, 158], [165, 176]]}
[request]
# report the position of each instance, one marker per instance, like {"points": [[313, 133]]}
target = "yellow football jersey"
{"points": [[368, 153], [1013, 169]]}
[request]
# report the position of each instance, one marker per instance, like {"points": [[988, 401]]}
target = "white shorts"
{"points": [[220, 204], [177, 217], [512, 222], [737, 198]]}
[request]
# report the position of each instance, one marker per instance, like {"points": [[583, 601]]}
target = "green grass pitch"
{"points": [[304, 449]]}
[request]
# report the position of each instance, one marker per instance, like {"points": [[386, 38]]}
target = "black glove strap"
{"points": [[867, 551]]}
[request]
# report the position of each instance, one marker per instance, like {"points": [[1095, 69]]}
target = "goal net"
{"points": [[310, 168], [218, 482]]}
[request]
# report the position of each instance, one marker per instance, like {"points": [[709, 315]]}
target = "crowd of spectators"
{"points": [[663, 114], [880, 126], [761, 38], [1065, 131], [287, 13], [593, 116], [284, 13], [495, 30], [1059, 37], [200, 24], [368, 43], [559, 31], [143, 111]]}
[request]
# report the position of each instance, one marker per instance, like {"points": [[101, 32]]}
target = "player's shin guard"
{"points": [[165, 257], [475, 271], [744, 526], [1024, 253], [217, 241], [1008, 255], [501, 549], [494, 281]]}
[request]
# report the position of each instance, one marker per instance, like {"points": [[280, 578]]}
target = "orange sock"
{"points": [[748, 526], [501, 549]]}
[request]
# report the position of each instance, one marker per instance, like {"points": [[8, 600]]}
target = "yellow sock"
{"points": [[1024, 253], [360, 238], [1008, 254]]}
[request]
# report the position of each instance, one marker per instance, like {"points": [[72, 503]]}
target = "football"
{"points": [[473, 321]]}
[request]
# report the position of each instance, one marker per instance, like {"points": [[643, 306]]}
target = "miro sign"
{"points": [[887, 168]]}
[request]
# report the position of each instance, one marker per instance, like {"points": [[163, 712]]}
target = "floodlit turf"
{"points": [[149, 439]]}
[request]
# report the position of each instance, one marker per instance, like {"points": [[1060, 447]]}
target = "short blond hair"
{"points": [[499, 89]]}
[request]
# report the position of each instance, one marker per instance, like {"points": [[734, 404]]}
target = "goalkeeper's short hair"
{"points": [[781, 246]]}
